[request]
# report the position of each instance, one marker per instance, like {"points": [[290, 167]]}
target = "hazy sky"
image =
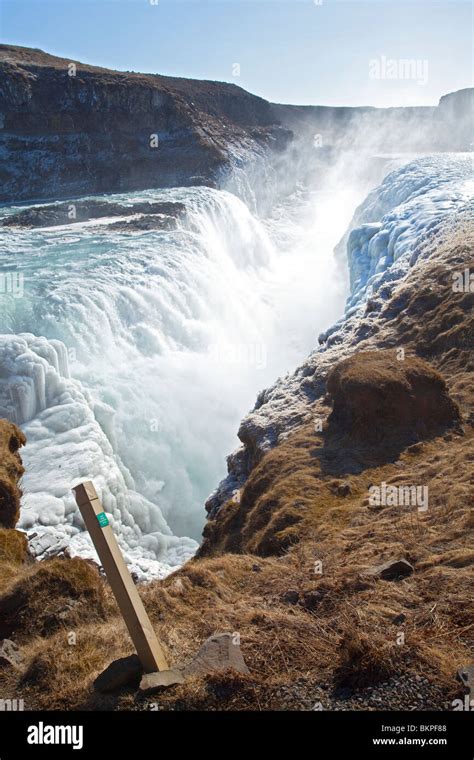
{"points": [[292, 51]]}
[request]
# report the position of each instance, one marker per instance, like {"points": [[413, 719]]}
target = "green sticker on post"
{"points": [[102, 518]]}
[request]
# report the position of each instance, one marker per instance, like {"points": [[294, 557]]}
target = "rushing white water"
{"points": [[130, 358]]}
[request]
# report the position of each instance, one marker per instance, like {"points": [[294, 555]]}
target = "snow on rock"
{"points": [[411, 202]]}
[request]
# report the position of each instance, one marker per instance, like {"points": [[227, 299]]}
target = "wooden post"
{"points": [[148, 647]]}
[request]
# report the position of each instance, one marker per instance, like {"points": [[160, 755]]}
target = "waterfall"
{"points": [[151, 328], [130, 358]]}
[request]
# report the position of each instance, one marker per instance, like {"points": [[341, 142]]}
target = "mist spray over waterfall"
{"points": [[131, 358]]}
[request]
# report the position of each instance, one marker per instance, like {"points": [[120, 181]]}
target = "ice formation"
{"points": [[66, 445], [411, 203]]}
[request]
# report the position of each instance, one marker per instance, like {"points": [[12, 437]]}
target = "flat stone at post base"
{"points": [[218, 653], [152, 682]]}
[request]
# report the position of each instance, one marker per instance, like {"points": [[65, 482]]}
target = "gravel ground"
{"points": [[405, 692]]}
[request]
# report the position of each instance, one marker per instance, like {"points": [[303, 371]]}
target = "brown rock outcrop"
{"points": [[378, 397], [11, 470]]}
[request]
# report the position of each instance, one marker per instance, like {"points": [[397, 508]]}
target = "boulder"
{"points": [[10, 656], [311, 599], [47, 545], [393, 570], [218, 653], [466, 676], [125, 671], [399, 619], [340, 488], [290, 597]]}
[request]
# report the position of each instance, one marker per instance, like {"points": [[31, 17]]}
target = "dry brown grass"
{"points": [[341, 631], [38, 598], [13, 546]]}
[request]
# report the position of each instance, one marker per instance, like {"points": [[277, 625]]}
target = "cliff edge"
{"points": [[69, 129]]}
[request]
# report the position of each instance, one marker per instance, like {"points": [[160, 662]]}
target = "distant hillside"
{"points": [[448, 126]]}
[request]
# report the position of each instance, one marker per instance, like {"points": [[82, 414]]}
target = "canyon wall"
{"points": [[69, 129]]}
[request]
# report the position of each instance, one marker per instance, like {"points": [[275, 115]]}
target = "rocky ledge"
{"points": [[147, 215]]}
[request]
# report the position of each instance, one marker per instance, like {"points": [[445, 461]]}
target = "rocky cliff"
{"points": [[70, 129]]}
